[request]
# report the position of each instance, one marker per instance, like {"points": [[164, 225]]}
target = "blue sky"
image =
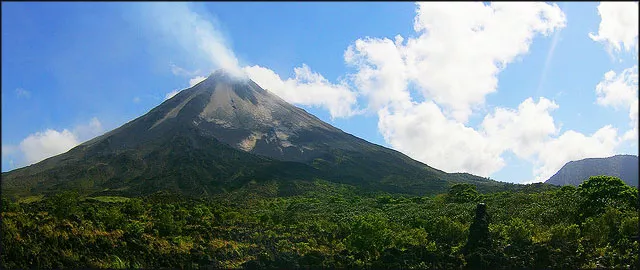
{"points": [[507, 91]]}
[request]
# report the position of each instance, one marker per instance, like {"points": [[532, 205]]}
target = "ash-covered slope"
{"points": [[574, 173], [221, 134], [241, 114]]}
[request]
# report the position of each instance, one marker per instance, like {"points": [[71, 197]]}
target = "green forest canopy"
{"points": [[593, 225]]}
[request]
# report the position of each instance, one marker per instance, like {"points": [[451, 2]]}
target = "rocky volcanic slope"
{"points": [[575, 172], [220, 135]]}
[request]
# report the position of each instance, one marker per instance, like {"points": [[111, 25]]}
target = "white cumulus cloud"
{"points": [[618, 28], [306, 88], [41, 145], [382, 74], [455, 60], [632, 134], [89, 130], [453, 64], [530, 132], [572, 145], [621, 92], [48, 143], [424, 133], [524, 131], [618, 90]]}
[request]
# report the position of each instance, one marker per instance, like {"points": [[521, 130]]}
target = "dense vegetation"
{"points": [[593, 225]]}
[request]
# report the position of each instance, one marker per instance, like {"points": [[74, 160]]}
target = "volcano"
{"points": [[223, 134]]}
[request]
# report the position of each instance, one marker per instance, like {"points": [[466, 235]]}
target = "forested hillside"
{"points": [[591, 226]]}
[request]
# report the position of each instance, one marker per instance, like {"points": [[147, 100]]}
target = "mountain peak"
{"points": [[575, 172], [219, 73], [238, 112], [227, 75], [220, 134]]}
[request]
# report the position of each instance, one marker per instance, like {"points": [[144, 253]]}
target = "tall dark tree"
{"points": [[479, 251]]}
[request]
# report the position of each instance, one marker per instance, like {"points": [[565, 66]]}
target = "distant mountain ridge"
{"points": [[220, 135], [574, 173]]}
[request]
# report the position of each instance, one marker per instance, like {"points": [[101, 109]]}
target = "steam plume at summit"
{"points": [[194, 33]]}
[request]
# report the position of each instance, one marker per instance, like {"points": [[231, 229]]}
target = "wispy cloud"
{"points": [[547, 62], [172, 94], [179, 71], [22, 93], [193, 81], [8, 150], [196, 80], [193, 32]]}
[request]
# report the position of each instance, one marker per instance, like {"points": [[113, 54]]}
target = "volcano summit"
{"points": [[220, 135]]}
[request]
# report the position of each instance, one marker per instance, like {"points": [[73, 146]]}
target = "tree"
{"points": [[9, 206], [563, 246], [369, 234], [602, 191], [462, 193], [479, 248], [133, 207], [64, 204]]}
